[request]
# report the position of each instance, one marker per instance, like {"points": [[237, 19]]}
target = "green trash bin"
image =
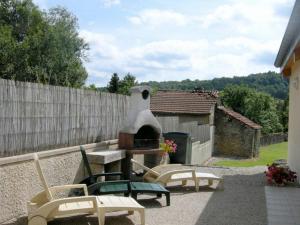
{"points": [[184, 147]]}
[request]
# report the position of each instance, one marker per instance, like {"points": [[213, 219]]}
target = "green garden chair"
{"points": [[119, 186], [103, 187]]}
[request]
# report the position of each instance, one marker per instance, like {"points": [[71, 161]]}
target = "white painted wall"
{"points": [[294, 120], [201, 152]]}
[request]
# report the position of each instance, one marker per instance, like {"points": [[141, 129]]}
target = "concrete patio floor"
{"points": [[242, 202], [246, 200], [283, 205]]}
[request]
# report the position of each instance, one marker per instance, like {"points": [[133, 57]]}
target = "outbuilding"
{"points": [[188, 112]]}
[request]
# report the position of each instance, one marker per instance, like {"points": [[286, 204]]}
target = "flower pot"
{"points": [[165, 159]]}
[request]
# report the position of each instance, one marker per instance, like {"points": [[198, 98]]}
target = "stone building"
{"points": [[235, 135]]}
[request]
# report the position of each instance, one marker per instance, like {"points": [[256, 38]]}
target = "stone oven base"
{"points": [[152, 158]]}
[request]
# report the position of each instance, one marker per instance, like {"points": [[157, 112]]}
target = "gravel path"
{"points": [[242, 202]]}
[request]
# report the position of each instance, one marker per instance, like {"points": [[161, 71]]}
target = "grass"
{"points": [[266, 156]]}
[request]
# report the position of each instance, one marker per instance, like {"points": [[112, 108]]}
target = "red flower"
{"points": [[280, 175]]}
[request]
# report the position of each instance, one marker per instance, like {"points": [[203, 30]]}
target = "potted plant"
{"points": [[168, 146], [280, 175]]}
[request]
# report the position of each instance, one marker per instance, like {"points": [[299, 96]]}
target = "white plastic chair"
{"points": [[43, 207], [167, 173]]}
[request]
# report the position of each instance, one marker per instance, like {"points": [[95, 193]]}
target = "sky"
{"points": [[163, 40]]}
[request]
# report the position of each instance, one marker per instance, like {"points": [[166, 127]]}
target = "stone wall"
{"points": [[233, 138], [20, 181]]}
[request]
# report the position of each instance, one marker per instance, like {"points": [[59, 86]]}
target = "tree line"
{"points": [[270, 82]]}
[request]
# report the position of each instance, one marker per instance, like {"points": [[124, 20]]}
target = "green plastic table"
{"points": [[113, 187], [152, 188]]}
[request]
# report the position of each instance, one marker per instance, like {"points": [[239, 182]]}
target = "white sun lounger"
{"points": [[165, 174], [43, 207]]}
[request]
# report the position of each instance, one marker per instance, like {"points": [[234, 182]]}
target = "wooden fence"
{"points": [[173, 123], [273, 139], [35, 117]]}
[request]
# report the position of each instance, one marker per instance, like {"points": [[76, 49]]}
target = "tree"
{"points": [[91, 87], [283, 113], [38, 46], [113, 85], [123, 86], [235, 97], [126, 83], [257, 106]]}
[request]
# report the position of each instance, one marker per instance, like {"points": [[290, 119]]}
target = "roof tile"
{"points": [[239, 117], [183, 102]]}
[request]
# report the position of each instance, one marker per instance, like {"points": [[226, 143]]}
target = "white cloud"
{"points": [[109, 3], [247, 16], [244, 44], [237, 38], [102, 45], [156, 17], [174, 59]]}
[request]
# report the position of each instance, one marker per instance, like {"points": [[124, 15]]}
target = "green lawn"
{"points": [[266, 156]]}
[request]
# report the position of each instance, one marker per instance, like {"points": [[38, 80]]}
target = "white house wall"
{"points": [[294, 120]]}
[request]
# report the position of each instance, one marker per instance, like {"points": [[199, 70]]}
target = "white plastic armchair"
{"points": [[165, 174], [43, 207], [172, 172]]}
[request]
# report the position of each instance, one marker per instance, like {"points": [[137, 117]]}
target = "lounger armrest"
{"points": [[167, 166], [154, 173], [149, 171], [166, 177], [50, 207], [70, 186]]}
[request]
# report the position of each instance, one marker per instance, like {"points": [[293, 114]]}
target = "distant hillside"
{"points": [[270, 82]]}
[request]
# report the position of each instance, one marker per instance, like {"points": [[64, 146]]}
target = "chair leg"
{"points": [[101, 216], [142, 215], [197, 185], [134, 195], [221, 184], [37, 221], [168, 198]]}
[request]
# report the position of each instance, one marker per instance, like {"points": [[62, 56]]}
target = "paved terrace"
{"points": [[242, 202]]}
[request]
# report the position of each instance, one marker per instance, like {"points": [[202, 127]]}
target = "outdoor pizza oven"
{"points": [[141, 131]]}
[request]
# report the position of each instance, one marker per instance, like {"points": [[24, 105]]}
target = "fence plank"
{"points": [[188, 125], [273, 139]]}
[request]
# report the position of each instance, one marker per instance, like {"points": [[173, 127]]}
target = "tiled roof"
{"points": [[182, 102], [239, 117]]}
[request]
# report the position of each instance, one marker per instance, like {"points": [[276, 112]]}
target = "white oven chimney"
{"points": [[139, 113]]}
